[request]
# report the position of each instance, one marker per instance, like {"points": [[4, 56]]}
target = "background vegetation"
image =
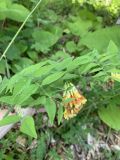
{"points": [[63, 41]]}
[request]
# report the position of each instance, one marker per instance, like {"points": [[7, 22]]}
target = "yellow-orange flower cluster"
{"points": [[73, 101]]}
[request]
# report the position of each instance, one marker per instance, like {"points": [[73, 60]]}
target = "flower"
{"points": [[73, 101]]}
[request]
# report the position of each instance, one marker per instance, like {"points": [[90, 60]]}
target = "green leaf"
{"points": [[3, 85], [28, 126], [42, 71], [99, 74], [60, 114], [28, 71], [38, 101], [21, 93], [32, 69], [13, 53], [112, 48], [24, 94], [45, 39], [3, 7], [22, 63], [106, 57], [80, 61], [95, 70], [101, 38], [41, 147], [52, 78], [17, 12], [60, 55], [50, 107], [86, 68], [71, 46], [10, 120], [69, 76], [33, 55], [111, 116], [13, 11], [7, 100], [78, 26], [63, 64]]}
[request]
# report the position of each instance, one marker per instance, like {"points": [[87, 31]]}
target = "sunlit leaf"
{"points": [[53, 77], [111, 116], [50, 107], [28, 126], [10, 120]]}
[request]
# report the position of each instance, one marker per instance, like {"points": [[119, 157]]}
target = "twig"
{"points": [[7, 67]]}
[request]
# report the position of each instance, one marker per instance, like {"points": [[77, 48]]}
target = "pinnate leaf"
{"points": [[53, 77]]}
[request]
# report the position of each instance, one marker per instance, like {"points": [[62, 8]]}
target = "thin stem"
{"points": [[3, 24], [21, 27], [7, 68], [108, 135]]}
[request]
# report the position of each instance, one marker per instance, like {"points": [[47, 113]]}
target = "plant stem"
{"points": [[7, 68], [21, 27]]}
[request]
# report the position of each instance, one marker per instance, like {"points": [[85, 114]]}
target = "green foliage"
{"points": [[45, 39], [50, 107], [71, 46], [20, 93], [101, 38], [10, 119], [60, 114], [41, 148], [61, 42], [12, 11], [28, 126], [53, 155], [52, 78], [110, 116], [45, 73], [111, 6]]}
